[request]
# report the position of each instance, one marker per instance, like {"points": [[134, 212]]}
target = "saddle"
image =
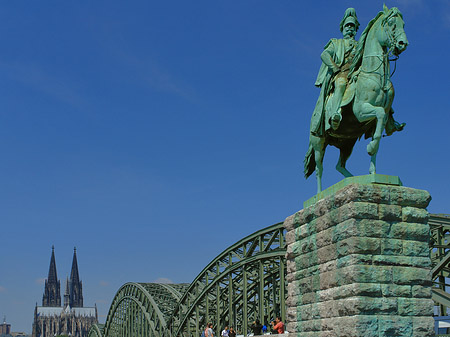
{"points": [[349, 93]]}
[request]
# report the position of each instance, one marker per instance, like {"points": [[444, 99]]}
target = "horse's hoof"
{"points": [[372, 147]]}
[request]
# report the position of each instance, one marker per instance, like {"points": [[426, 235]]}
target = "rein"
{"points": [[386, 57]]}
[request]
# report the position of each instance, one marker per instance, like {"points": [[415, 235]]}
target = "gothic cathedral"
{"points": [[71, 319]]}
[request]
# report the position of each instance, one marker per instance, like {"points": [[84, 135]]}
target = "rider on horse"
{"points": [[333, 79]]}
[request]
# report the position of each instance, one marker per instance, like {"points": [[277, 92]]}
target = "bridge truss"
{"points": [[244, 283]]}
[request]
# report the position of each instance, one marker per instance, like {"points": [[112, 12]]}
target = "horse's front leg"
{"points": [[367, 112]]}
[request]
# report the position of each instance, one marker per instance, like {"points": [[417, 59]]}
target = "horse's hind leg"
{"points": [[373, 164], [345, 151], [319, 151]]}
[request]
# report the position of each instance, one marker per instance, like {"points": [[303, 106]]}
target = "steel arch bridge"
{"points": [[244, 283]]}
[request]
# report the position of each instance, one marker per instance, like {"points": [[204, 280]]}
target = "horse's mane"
{"points": [[362, 40], [361, 44]]}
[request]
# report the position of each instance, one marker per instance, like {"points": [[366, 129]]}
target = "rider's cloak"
{"points": [[335, 48]]}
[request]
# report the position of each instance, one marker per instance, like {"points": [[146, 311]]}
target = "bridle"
{"points": [[387, 56]]}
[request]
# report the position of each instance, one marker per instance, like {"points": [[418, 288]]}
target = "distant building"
{"points": [[72, 318], [19, 334], [5, 329]]}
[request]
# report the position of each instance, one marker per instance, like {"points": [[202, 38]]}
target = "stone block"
{"points": [[358, 245], [289, 223], [291, 327], [395, 326], [414, 214], [357, 326], [304, 246], [293, 289], [421, 291], [395, 290], [290, 265], [358, 210], [390, 212], [324, 238], [406, 261], [329, 280], [413, 197], [373, 228], [301, 273], [305, 261], [306, 216], [371, 274], [423, 326], [411, 276], [324, 222], [354, 259], [303, 231], [357, 289], [415, 307], [290, 237], [289, 252], [416, 248], [410, 231], [391, 246], [291, 314], [326, 254]]}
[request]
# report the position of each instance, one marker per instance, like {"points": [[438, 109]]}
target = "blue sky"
{"points": [[152, 135]]}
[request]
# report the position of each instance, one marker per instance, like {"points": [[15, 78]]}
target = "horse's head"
{"points": [[393, 26]]}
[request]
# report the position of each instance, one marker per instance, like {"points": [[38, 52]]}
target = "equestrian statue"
{"points": [[356, 90]]}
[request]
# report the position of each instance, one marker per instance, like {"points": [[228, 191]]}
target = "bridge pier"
{"points": [[358, 262]]}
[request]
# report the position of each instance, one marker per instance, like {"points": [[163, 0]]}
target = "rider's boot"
{"points": [[392, 125], [336, 116], [396, 126]]}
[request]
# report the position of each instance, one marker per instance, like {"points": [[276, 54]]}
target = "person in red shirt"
{"points": [[278, 325]]}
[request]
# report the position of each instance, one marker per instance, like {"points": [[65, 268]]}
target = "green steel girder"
{"points": [[440, 258], [246, 281], [237, 285], [96, 330], [214, 295], [149, 303]]}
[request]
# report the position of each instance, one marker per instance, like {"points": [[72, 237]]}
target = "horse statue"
{"points": [[366, 104]]}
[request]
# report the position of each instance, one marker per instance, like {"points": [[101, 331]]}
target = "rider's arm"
{"points": [[327, 57]]}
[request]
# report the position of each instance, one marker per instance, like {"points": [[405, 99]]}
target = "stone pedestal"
{"points": [[358, 264]]}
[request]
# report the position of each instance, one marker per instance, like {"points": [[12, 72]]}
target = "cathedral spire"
{"points": [[75, 286], [52, 295], [52, 275], [74, 277]]}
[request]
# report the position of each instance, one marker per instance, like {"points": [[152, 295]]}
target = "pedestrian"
{"points": [[256, 328], [225, 332], [231, 333], [209, 331], [278, 325]]}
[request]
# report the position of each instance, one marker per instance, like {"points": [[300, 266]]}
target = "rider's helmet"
{"points": [[349, 16]]}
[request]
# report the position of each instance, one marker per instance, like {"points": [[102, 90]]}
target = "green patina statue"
{"points": [[356, 90]]}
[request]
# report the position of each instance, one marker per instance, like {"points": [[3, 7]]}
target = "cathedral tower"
{"points": [[52, 295], [75, 285]]}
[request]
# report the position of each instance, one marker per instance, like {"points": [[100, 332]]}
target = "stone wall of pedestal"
{"points": [[358, 264]]}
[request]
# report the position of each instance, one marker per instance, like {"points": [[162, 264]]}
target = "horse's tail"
{"points": [[309, 162]]}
